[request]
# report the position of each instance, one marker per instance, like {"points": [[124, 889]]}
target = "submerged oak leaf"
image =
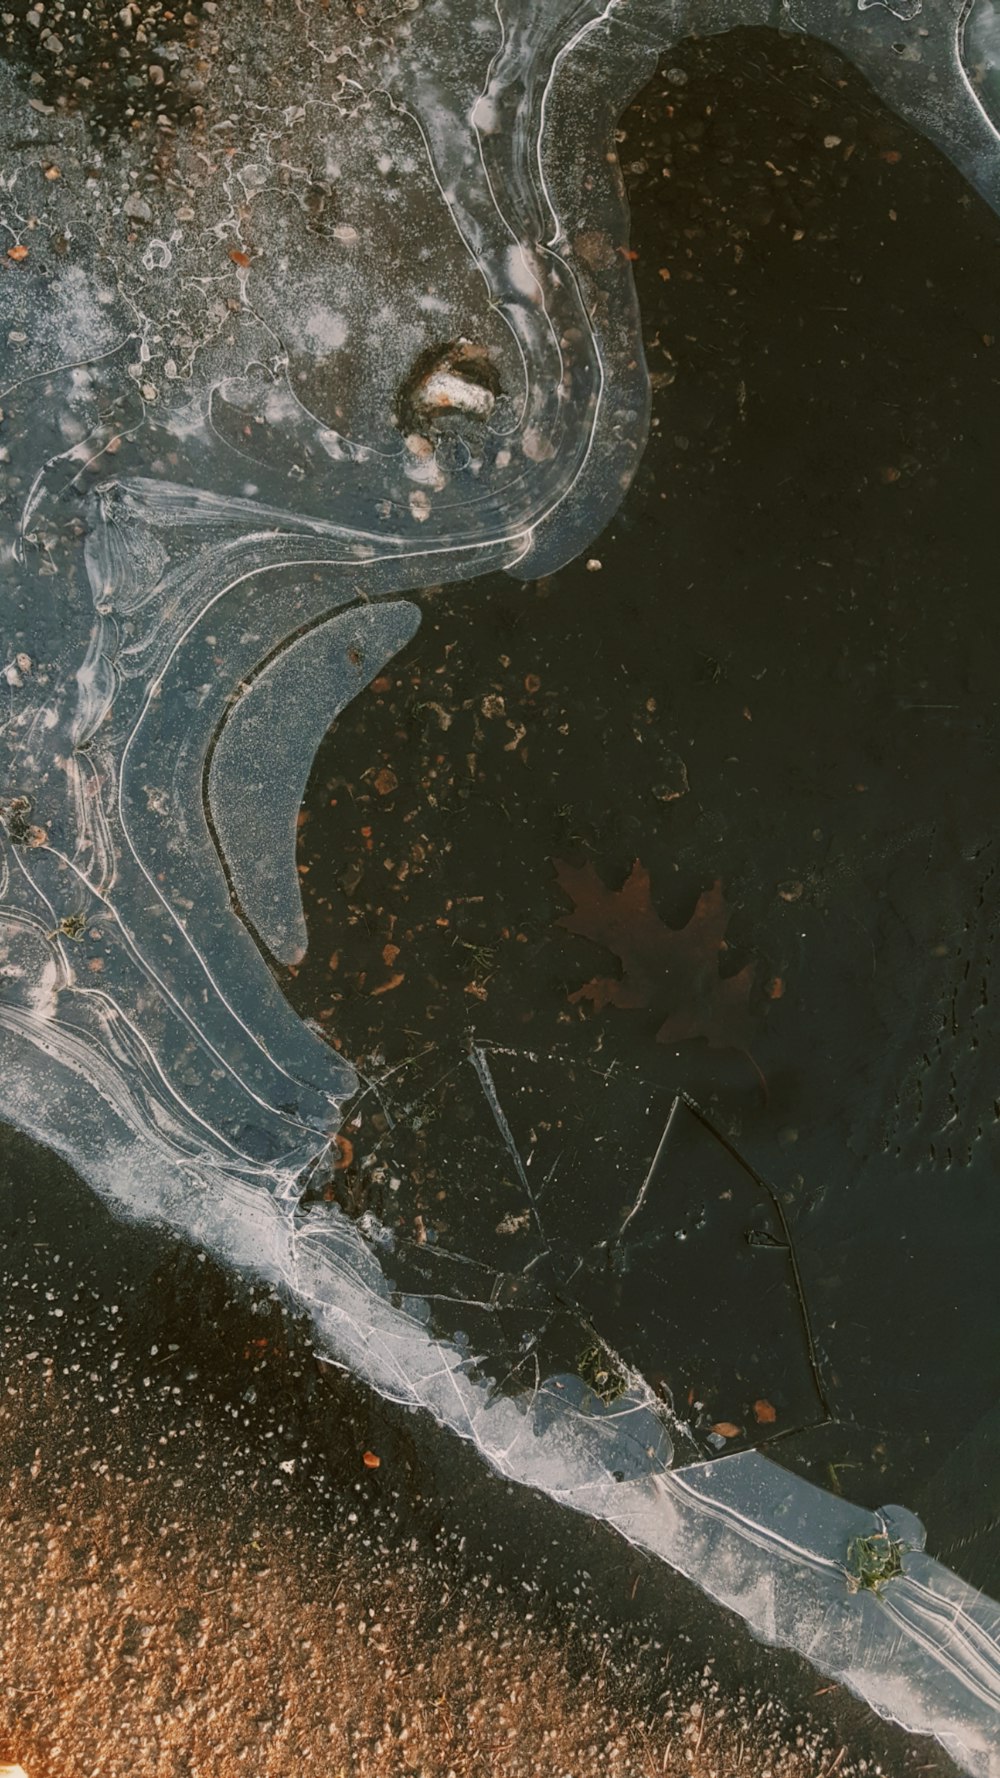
{"points": [[670, 970]]}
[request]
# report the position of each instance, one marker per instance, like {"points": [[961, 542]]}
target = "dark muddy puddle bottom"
{"points": [[712, 813]]}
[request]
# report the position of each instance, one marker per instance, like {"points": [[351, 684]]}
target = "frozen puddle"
{"points": [[260, 376]]}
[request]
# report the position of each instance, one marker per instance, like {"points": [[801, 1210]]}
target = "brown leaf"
{"points": [[370, 1460], [726, 1429], [394, 981], [386, 781], [668, 970], [238, 257], [764, 1413]]}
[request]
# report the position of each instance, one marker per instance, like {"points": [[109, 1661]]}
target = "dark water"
{"points": [[781, 678], [784, 678]]}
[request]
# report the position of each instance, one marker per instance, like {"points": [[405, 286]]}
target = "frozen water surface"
{"points": [[260, 765], [354, 315]]}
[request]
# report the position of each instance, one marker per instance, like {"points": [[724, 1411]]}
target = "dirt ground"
{"points": [[148, 1629]]}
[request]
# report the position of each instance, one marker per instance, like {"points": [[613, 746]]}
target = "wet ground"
{"points": [[770, 688], [221, 1555]]}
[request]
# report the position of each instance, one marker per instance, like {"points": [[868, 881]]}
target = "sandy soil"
{"points": [[171, 1606]]}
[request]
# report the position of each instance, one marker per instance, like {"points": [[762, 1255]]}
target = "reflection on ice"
{"points": [[331, 330]]}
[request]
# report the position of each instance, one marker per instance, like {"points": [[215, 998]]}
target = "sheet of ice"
{"points": [[261, 761], [340, 322]]}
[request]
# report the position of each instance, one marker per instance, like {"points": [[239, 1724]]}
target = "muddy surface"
{"points": [[219, 1552]]}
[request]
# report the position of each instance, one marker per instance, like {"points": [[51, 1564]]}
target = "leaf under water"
{"points": [[666, 968]]}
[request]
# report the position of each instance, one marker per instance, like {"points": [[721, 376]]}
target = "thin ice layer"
{"points": [[261, 761]]}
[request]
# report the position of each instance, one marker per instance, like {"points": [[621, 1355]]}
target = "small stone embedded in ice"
{"points": [[444, 390]]}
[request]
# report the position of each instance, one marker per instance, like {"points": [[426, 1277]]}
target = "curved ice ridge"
{"points": [[196, 560], [260, 764]]}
